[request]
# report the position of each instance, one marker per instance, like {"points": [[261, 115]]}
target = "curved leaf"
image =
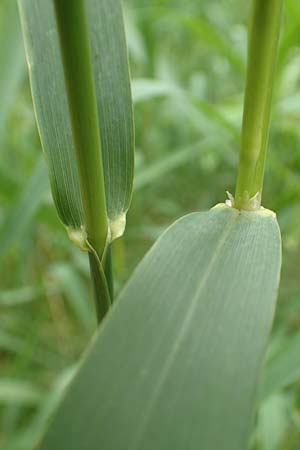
{"points": [[175, 364]]}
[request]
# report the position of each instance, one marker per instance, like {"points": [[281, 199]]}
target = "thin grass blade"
{"points": [[23, 211], [12, 60]]}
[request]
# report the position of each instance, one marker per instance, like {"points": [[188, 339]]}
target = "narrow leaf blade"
{"points": [[23, 211], [175, 365], [12, 61]]}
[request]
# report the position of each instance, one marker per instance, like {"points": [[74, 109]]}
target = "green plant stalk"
{"points": [[102, 278], [100, 286], [76, 56], [264, 30], [108, 270]]}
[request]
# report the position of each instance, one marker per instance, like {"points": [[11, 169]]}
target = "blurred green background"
{"points": [[188, 70]]}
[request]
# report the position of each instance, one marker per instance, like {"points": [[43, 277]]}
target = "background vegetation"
{"points": [[188, 70]]}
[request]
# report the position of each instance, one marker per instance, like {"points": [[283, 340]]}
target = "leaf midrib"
{"points": [[181, 335]]}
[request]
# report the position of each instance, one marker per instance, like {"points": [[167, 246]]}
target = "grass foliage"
{"points": [[188, 69]]}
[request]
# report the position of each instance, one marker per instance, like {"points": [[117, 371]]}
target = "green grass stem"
{"points": [[76, 56], [264, 30]]}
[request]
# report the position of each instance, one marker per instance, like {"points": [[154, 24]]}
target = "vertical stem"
{"points": [[108, 270], [100, 286], [76, 56], [264, 32]]}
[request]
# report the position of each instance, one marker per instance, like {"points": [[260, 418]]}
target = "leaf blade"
{"points": [[12, 61], [167, 369]]}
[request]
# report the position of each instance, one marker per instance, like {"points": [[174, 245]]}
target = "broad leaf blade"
{"points": [[113, 99], [175, 365]]}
